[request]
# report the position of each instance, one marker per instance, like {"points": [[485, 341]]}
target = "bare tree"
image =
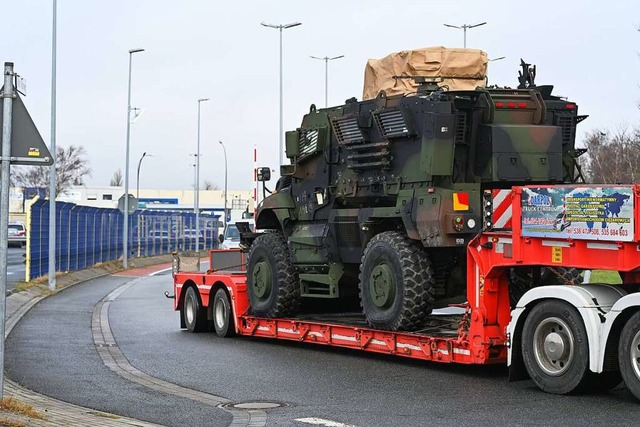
{"points": [[613, 157], [116, 179], [71, 169], [208, 185]]}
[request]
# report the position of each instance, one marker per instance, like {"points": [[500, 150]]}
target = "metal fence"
{"points": [[86, 236]]}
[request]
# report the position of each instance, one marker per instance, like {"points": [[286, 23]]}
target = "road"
{"points": [[15, 267], [311, 382]]}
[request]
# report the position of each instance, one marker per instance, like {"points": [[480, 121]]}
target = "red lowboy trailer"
{"points": [[566, 337]]}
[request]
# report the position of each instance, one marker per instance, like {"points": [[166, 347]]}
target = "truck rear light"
{"points": [[499, 104], [460, 201], [511, 105], [458, 223], [570, 106], [522, 105]]}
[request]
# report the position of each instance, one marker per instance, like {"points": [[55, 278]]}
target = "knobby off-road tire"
{"points": [[629, 354], [222, 315], [555, 348], [195, 316], [273, 284], [396, 282]]}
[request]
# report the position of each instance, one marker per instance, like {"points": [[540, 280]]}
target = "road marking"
{"points": [[114, 359], [322, 422]]}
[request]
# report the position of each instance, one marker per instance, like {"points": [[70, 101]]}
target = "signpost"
{"points": [[133, 204], [21, 145]]}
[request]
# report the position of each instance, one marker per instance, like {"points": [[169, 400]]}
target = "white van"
{"points": [[231, 237]]}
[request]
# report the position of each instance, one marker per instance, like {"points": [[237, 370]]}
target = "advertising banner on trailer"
{"points": [[594, 213]]}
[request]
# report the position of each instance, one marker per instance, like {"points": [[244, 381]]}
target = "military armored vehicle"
{"points": [[382, 195]]}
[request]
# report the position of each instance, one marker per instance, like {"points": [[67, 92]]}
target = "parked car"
{"points": [[17, 235], [231, 237], [190, 233], [159, 235]]}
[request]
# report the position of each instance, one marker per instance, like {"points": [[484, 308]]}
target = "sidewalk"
{"points": [[55, 412]]}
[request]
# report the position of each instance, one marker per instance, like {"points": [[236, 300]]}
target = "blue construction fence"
{"points": [[86, 236]]}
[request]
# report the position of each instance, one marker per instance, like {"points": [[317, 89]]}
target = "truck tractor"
{"points": [[382, 196]]}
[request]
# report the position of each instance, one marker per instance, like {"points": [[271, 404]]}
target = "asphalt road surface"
{"points": [[52, 351], [15, 267]]}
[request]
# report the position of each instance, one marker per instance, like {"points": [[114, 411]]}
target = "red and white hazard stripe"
{"points": [[501, 209]]}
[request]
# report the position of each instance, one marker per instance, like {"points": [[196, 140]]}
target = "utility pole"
{"points": [[7, 100]]}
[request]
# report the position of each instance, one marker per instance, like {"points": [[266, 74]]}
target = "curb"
{"points": [[57, 412]]}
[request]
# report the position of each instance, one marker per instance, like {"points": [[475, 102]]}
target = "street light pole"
{"points": [[225, 184], [281, 27], [125, 226], [326, 60], [198, 177], [52, 148], [464, 28], [138, 175]]}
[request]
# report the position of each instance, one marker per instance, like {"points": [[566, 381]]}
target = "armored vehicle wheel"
{"points": [[195, 317], [272, 281], [555, 349], [396, 282], [629, 354], [222, 315]]}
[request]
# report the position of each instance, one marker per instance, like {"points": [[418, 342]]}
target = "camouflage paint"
{"points": [[394, 164]]}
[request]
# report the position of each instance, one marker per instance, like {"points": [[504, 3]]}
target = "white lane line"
{"points": [[322, 422]]}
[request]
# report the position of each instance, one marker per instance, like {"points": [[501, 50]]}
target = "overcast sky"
{"points": [[218, 50]]}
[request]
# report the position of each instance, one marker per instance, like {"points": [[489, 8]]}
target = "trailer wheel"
{"points": [[396, 282], [222, 314], [195, 317], [555, 349], [272, 281], [629, 354]]}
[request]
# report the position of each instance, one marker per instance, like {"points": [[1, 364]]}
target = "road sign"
{"points": [[27, 146], [133, 204]]}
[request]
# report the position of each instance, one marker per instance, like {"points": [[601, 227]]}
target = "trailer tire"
{"points": [[195, 317], [223, 315], [273, 285], [555, 350], [629, 354], [396, 282]]}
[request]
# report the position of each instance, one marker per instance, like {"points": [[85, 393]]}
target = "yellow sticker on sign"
{"points": [[34, 152], [556, 254]]}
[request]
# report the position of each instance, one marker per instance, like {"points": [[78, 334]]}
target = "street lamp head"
{"points": [[476, 25], [336, 57], [269, 25], [315, 57], [203, 99], [136, 50], [293, 24], [452, 26], [497, 59]]}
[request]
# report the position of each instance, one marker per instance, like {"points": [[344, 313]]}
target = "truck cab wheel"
{"points": [[396, 282], [273, 285], [555, 349], [222, 315], [195, 317], [629, 354]]}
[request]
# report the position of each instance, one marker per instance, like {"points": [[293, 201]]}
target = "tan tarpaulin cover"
{"points": [[461, 69]]}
